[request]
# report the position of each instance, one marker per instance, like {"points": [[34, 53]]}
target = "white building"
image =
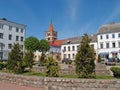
{"points": [[109, 40], [70, 47], [10, 33]]}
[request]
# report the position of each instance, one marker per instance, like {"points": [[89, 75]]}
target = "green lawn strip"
{"points": [[27, 73], [104, 77]]}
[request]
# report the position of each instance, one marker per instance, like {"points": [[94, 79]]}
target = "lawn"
{"points": [[61, 75]]}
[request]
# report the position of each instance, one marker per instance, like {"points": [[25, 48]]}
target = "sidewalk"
{"points": [[9, 86]]}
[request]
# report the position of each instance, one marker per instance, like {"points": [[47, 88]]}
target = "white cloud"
{"points": [[74, 6]]}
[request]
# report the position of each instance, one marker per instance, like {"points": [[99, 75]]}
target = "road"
{"points": [[9, 86]]}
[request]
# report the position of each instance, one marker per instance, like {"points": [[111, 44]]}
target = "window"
{"points": [[1, 26], [119, 35], [68, 48], [17, 29], [113, 35], [64, 48], [21, 30], [1, 35], [9, 46], [21, 38], [101, 37], [64, 55], [73, 48], [10, 27], [73, 55], [118, 44], [107, 45], [107, 36], [113, 44], [10, 37], [17, 38], [68, 55], [101, 45]]}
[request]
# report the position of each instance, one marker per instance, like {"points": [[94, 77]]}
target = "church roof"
{"points": [[51, 28], [57, 43]]}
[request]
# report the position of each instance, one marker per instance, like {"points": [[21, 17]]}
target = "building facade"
{"points": [[109, 40], [70, 47], [10, 33]]}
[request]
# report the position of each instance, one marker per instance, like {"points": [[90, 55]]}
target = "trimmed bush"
{"points": [[52, 67], [1, 65], [116, 71]]}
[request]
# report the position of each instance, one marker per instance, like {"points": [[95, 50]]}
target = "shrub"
{"points": [[28, 60], [15, 59], [116, 71], [1, 65], [52, 67]]}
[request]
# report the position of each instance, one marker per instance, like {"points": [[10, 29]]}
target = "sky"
{"points": [[70, 18]]}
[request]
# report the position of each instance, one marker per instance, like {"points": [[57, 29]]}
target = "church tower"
{"points": [[51, 35]]}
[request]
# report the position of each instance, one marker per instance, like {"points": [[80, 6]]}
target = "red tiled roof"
{"points": [[57, 43], [51, 28]]}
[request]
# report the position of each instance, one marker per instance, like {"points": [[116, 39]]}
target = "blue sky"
{"points": [[70, 17]]}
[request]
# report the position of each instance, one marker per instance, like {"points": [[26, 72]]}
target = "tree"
{"points": [[31, 43], [14, 62], [28, 59], [52, 67], [43, 47], [85, 66]]}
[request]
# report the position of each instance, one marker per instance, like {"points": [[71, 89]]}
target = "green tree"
{"points": [[28, 59], [31, 43], [85, 66], [52, 67], [43, 47], [14, 62]]}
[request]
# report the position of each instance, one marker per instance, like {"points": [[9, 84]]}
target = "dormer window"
{"points": [[68, 41]]}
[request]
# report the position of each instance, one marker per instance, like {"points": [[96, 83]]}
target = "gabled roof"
{"points": [[77, 40], [57, 43], [109, 28], [51, 28]]}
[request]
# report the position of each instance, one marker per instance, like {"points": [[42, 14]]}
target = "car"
{"points": [[67, 61], [110, 61]]}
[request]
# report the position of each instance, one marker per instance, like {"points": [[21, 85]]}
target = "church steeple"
{"points": [[51, 34], [51, 28]]}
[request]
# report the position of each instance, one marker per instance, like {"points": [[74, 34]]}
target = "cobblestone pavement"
{"points": [[9, 86]]}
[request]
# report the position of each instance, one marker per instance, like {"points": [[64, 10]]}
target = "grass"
{"points": [[104, 77], [27, 73]]}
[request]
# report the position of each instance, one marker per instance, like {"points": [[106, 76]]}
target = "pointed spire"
{"points": [[51, 28]]}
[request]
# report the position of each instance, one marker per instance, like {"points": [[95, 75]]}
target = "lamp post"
{"points": [[1, 51]]}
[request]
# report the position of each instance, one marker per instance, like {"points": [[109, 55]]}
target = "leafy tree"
{"points": [[28, 59], [43, 47], [85, 66], [52, 67], [14, 62], [31, 43]]}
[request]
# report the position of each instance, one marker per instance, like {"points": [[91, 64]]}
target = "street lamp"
{"points": [[1, 51]]}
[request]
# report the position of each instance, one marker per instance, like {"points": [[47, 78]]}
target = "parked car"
{"points": [[67, 61], [110, 61]]}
